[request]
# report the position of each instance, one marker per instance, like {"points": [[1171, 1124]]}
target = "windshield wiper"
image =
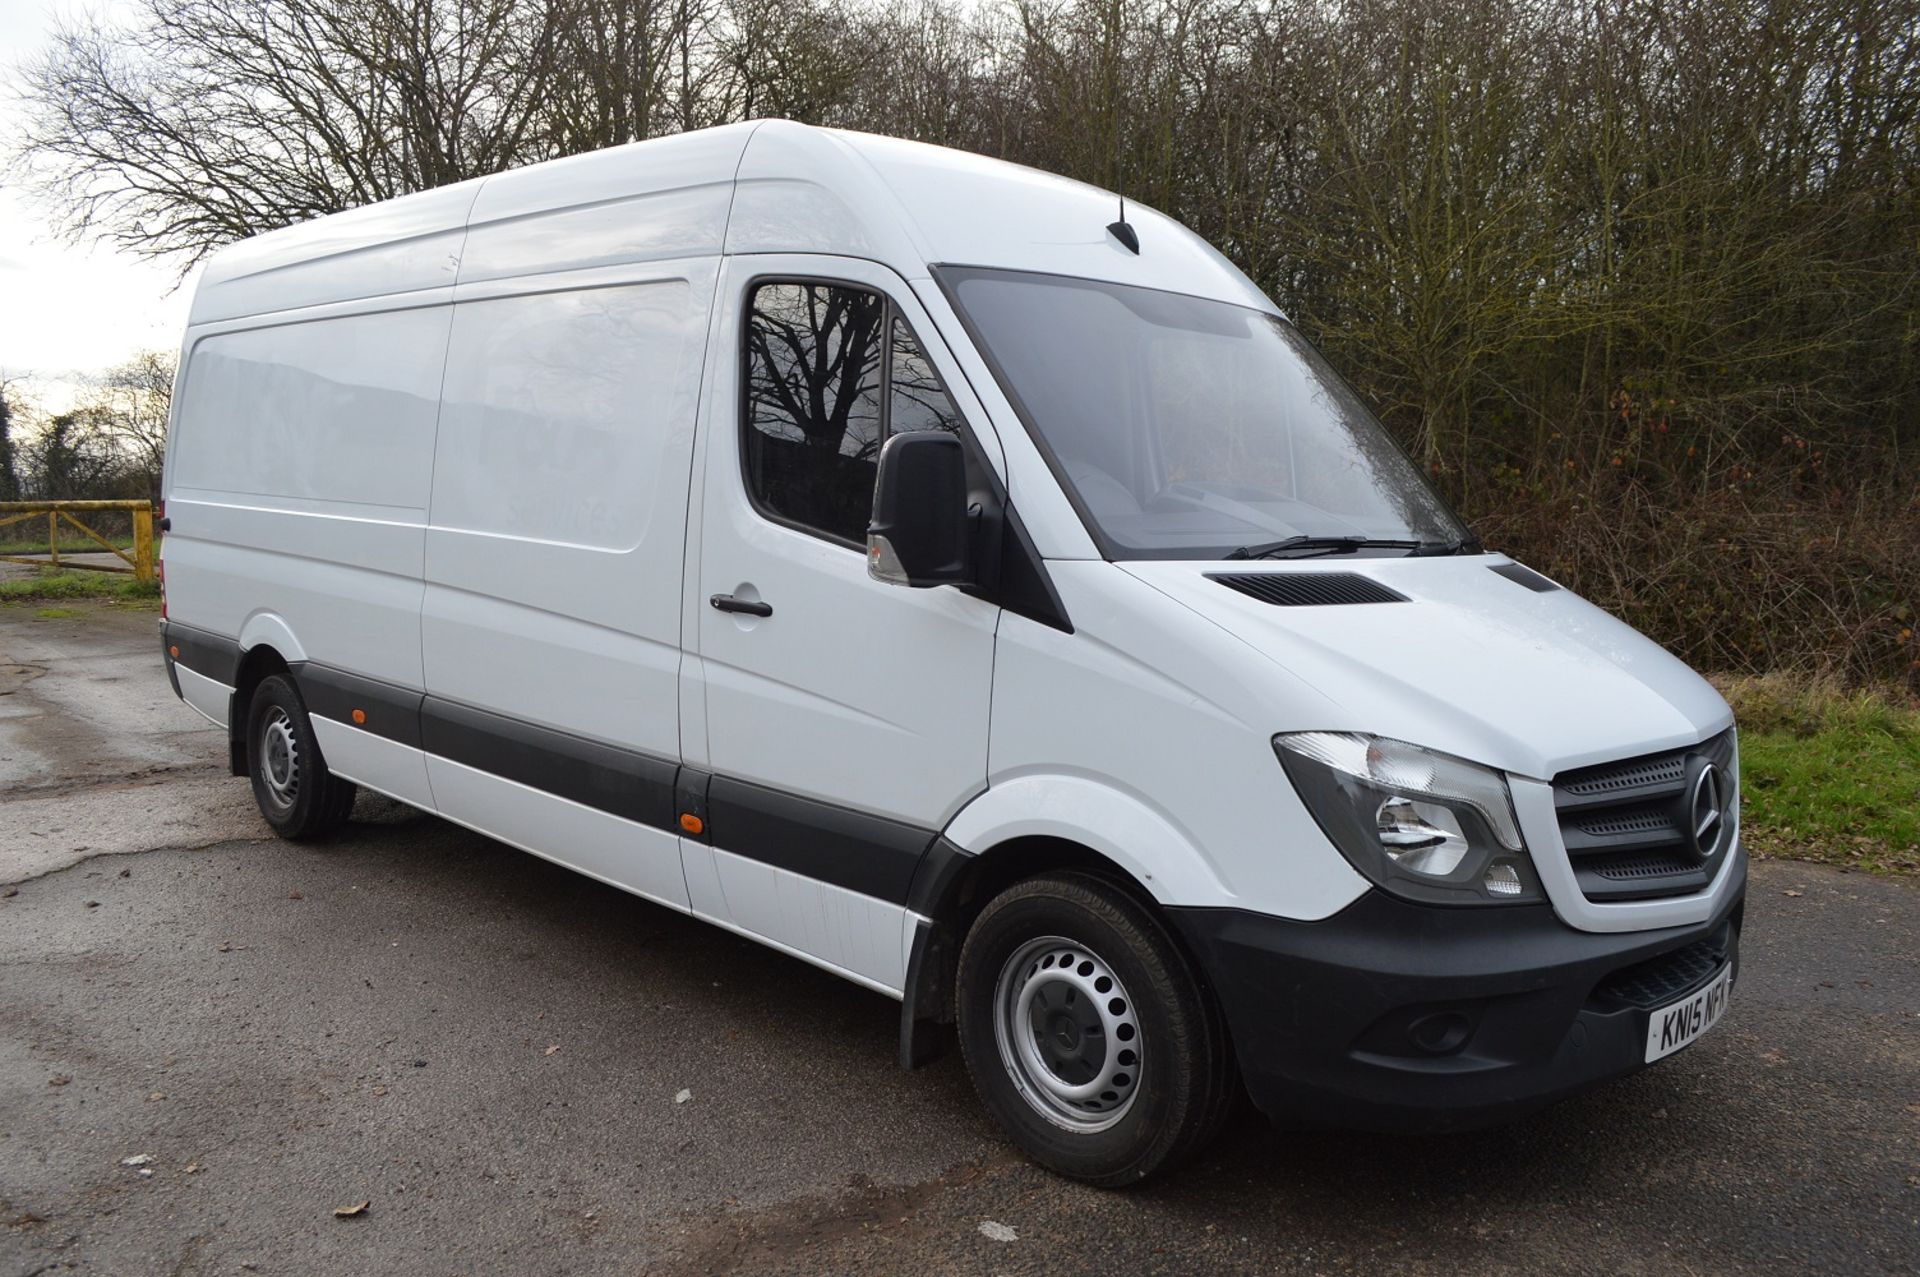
{"points": [[1306, 545], [1301, 547]]}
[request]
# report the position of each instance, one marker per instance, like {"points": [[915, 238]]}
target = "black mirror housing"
{"points": [[919, 535]]}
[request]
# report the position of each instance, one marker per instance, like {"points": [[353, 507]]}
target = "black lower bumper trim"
{"points": [[1392, 1015], [208, 655]]}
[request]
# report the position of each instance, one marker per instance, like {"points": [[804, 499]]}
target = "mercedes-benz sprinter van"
{"points": [[956, 578]]}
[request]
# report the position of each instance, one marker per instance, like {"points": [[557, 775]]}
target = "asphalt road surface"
{"points": [[210, 1041]]}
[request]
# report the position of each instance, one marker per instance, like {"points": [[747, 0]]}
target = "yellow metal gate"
{"points": [[139, 563]]}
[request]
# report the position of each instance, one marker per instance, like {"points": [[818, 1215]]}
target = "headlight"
{"points": [[1422, 825]]}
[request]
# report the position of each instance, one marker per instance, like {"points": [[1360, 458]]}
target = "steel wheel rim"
{"points": [[279, 758], [1067, 1034]]}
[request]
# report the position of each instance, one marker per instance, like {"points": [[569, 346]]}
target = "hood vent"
{"points": [[1525, 576], [1308, 589]]}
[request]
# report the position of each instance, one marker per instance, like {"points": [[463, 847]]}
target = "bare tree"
{"points": [[128, 407], [69, 460], [204, 121], [1621, 254]]}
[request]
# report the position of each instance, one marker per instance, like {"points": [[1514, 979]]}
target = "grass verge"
{"points": [[1826, 774], [47, 585]]}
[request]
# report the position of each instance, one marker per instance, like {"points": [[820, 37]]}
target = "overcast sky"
{"points": [[67, 311]]}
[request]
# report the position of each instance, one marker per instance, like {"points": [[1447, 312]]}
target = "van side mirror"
{"points": [[919, 532]]}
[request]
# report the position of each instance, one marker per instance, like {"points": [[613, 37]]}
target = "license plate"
{"points": [[1673, 1027]]}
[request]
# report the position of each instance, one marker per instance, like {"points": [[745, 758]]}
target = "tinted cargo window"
{"points": [[818, 357]]}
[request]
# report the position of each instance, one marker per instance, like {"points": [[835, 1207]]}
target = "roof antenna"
{"points": [[1128, 237]]}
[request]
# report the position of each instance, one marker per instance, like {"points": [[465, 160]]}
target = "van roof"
{"points": [[768, 186]]}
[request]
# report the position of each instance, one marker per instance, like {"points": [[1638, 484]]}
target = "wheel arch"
{"points": [[1113, 824], [257, 664], [267, 647], [1026, 827], [950, 889]]}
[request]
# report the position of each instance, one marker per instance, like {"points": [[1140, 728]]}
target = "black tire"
{"points": [[1183, 1077], [298, 796]]}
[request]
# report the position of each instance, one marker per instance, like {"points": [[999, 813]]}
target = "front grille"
{"points": [[1661, 980], [1615, 778], [1641, 822], [1627, 866], [1629, 826]]}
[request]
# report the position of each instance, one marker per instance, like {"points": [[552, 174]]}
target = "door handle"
{"points": [[727, 603]]}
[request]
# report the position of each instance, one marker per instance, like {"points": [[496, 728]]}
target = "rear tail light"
{"points": [[160, 557]]}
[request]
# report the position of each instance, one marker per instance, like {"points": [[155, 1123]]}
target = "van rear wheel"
{"points": [[1089, 1035], [297, 794]]}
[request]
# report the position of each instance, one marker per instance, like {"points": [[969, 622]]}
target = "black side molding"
{"points": [[869, 854], [936, 882], [621, 782], [167, 649], [387, 709], [206, 654], [855, 850], [876, 856]]}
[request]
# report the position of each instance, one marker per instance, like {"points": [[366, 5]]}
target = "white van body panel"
{"points": [[912, 205], [829, 698], [1475, 665], [559, 504], [848, 932], [313, 512], [853, 692], [621, 853], [268, 627], [1174, 721], [1097, 813], [862, 926], [205, 695], [480, 449], [662, 201], [384, 766], [390, 249]]}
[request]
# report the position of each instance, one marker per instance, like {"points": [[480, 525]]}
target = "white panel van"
{"points": [[948, 575]]}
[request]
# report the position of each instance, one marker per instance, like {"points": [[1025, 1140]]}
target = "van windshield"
{"points": [[1188, 429]]}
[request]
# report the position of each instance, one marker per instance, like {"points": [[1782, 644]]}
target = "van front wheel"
{"points": [[297, 794], [1088, 1034]]}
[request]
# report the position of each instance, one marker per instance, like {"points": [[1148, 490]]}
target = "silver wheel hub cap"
{"points": [[1067, 1034], [279, 758]]}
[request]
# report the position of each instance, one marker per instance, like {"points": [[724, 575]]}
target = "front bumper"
{"points": [[1399, 1016]]}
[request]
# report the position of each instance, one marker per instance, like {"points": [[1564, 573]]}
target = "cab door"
{"points": [[845, 720]]}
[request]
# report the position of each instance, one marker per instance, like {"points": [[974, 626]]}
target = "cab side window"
{"points": [[915, 398], [831, 371]]}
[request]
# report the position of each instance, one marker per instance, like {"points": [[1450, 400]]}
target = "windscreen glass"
{"points": [[1188, 428]]}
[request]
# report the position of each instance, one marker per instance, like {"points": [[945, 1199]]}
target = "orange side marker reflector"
{"points": [[692, 823], [359, 716], [174, 651]]}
